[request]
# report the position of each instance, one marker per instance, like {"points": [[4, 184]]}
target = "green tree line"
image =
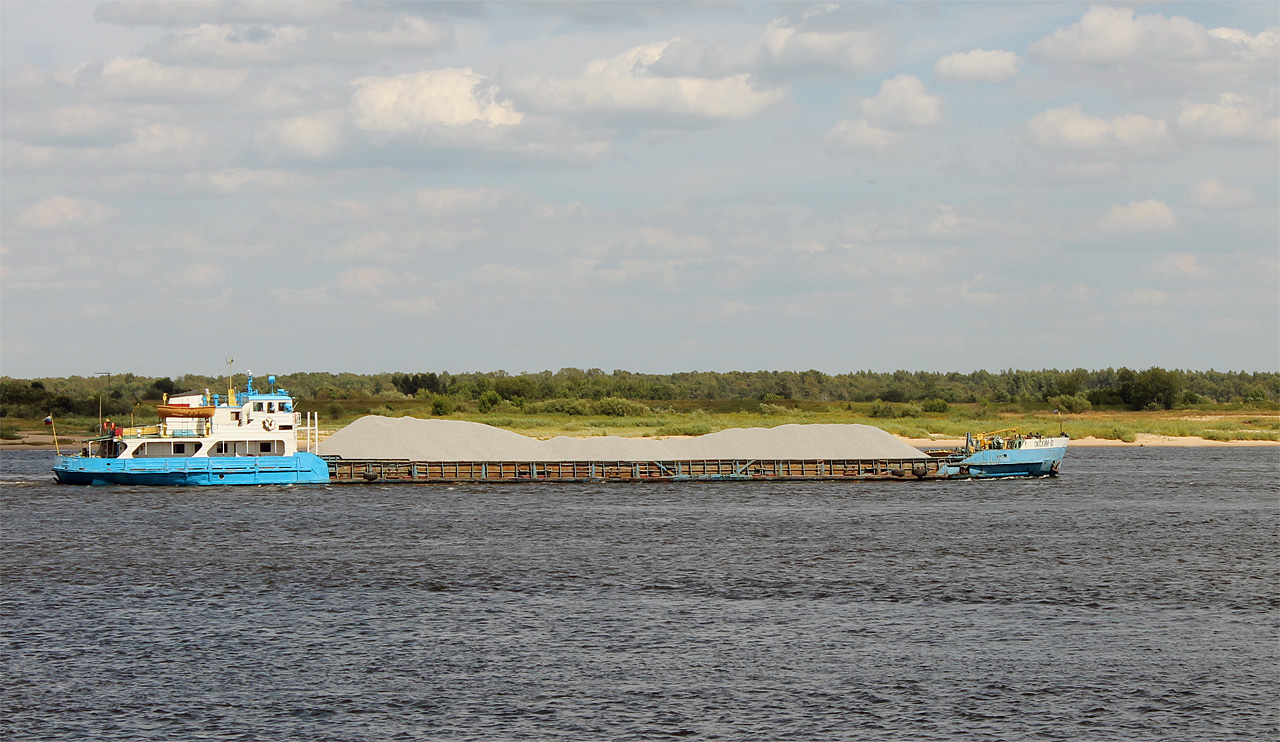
{"points": [[1074, 390]]}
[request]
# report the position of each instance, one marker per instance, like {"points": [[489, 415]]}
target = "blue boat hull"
{"points": [[998, 463], [300, 468]]}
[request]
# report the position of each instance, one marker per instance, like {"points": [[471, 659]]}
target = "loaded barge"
{"points": [[985, 456], [253, 438]]}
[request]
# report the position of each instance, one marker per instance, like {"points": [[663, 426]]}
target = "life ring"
{"points": [[268, 425]]}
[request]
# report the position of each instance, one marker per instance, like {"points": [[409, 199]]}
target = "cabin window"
{"points": [[235, 415], [271, 407], [265, 447], [179, 448], [257, 407]]}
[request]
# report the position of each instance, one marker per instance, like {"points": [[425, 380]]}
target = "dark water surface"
{"points": [[1133, 598]]}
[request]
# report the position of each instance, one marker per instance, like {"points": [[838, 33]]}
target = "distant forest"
{"points": [[1074, 390]]}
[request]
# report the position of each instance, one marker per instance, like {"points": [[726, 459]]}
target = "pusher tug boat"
{"points": [[992, 456], [203, 439]]}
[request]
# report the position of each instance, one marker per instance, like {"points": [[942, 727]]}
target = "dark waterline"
{"points": [[1133, 598]]}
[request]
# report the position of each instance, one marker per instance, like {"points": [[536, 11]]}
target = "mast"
{"points": [[231, 394]]}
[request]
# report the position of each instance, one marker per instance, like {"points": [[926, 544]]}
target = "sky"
{"points": [[648, 186]]}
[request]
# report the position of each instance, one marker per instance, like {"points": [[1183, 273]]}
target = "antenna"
{"points": [[108, 375]]}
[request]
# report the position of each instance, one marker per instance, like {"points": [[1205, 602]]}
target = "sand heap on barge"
{"points": [[412, 439]]}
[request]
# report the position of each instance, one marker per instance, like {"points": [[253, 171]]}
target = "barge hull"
{"points": [[360, 471]]}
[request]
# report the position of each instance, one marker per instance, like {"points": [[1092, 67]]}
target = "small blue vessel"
{"points": [[989, 455], [204, 439]]}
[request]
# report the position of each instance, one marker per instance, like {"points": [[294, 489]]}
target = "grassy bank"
{"points": [[1108, 425], [1215, 422]]}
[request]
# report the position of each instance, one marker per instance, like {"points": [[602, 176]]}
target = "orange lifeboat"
{"points": [[175, 410]]}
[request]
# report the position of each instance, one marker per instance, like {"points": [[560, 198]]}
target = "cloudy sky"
{"points": [[328, 186]]}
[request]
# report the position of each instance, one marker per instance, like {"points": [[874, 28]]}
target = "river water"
{"points": [[1133, 598]]}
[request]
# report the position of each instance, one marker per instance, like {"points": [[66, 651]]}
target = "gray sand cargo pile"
{"points": [[408, 438]]}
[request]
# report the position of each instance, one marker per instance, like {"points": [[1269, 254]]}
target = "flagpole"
{"points": [[56, 448]]}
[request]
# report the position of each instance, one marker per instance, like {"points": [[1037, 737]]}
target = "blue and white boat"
{"points": [[990, 455], [205, 439]]}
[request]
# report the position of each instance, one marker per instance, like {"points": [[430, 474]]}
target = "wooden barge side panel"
{"points": [[347, 471]]}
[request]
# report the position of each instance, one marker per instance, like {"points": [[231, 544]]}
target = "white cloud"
{"points": [[811, 247], [312, 136], [1179, 265], [978, 65], [153, 147], [311, 297], [837, 51], [165, 139], [858, 135], [139, 78], [191, 12], [1142, 298], [624, 85], [650, 240], [407, 33], [231, 180], [222, 42], [368, 280], [1264, 46], [1155, 50], [418, 306], [70, 126], [1068, 128], [1214, 195], [302, 40], [733, 308], [501, 275], [903, 102], [783, 50], [1107, 35], [1076, 171], [1140, 216], [64, 212], [416, 101], [202, 274], [1232, 117], [364, 247], [464, 202], [948, 223]]}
